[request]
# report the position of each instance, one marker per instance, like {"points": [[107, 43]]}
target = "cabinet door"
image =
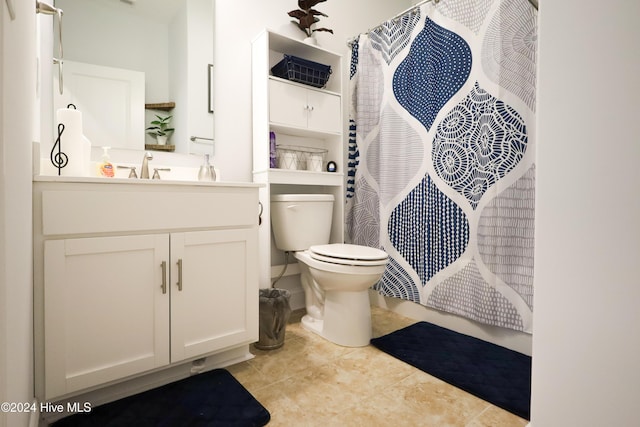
{"points": [[287, 104], [106, 316], [214, 291], [295, 106], [324, 112]]}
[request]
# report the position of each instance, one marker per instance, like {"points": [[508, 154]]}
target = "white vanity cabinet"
{"points": [[167, 279]]}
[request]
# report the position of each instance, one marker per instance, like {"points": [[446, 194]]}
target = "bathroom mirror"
{"points": [[167, 42]]}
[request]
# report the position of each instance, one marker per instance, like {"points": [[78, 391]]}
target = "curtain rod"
{"points": [[352, 40]]}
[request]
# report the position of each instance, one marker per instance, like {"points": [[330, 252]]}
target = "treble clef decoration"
{"points": [[59, 159]]}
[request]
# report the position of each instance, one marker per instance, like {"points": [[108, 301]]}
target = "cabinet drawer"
{"points": [[89, 212]]}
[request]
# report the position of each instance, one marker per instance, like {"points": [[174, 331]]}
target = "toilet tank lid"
{"points": [[302, 198]]}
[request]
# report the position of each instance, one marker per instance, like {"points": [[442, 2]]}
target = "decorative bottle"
{"points": [[206, 172]]}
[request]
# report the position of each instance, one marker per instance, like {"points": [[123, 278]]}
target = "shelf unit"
{"points": [[299, 115], [164, 106], [158, 147]]}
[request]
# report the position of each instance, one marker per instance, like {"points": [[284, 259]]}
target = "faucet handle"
{"points": [[156, 174], [132, 172]]}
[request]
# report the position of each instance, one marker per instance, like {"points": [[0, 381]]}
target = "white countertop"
{"points": [[102, 180]]}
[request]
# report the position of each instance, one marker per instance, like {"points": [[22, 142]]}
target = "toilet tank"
{"points": [[299, 221]]}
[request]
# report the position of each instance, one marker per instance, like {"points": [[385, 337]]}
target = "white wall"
{"points": [[586, 338], [17, 130], [4, 321], [200, 55], [236, 24], [179, 72]]}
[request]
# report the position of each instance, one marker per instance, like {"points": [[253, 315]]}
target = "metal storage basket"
{"points": [[302, 71], [300, 158]]}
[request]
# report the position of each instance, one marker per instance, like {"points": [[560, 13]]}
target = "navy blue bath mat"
{"points": [[493, 373], [213, 398]]}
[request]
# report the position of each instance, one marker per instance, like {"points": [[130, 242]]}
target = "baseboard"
{"points": [[290, 281], [297, 299], [511, 339]]}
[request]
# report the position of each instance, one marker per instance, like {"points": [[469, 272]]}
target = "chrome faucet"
{"points": [[144, 173]]}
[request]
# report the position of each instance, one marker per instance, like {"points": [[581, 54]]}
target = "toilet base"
{"points": [[347, 319]]}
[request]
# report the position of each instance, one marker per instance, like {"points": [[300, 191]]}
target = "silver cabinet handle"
{"points": [[179, 283], [164, 277]]}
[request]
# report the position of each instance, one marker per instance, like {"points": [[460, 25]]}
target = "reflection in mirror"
{"points": [[114, 42]]}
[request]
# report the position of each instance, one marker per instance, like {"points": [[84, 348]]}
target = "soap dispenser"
{"points": [[105, 168], [206, 173]]}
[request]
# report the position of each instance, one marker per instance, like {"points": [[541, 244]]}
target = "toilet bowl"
{"points": [[335, 277]]}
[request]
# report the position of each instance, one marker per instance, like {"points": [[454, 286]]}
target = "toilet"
{"points": [[335, 277]]}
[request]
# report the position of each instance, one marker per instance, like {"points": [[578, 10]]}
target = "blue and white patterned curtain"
{"points": [[442, 151]]}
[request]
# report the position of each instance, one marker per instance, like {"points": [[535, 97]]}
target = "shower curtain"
{"points": [[441, 171]]}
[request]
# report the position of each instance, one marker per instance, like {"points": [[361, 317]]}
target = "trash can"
{"points": [[274, 315]]}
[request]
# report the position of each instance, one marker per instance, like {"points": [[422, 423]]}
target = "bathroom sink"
{"points": [[166, 173]]}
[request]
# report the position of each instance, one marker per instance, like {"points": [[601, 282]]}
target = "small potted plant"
{"points": [[307, 17], [160, 129]]}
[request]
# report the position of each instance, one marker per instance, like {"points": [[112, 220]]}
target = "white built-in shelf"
{"points": [[299, 115], [300, 131], [305, 86], [290, 46], [299, 177]]}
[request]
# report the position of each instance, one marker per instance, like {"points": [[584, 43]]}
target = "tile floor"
{"points": [[312, 382]]}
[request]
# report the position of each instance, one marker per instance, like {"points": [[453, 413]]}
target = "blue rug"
{"points": [[213, 398], [492, 373]]}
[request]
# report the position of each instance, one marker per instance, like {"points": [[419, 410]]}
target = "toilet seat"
{"points": [[346, 254]]}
